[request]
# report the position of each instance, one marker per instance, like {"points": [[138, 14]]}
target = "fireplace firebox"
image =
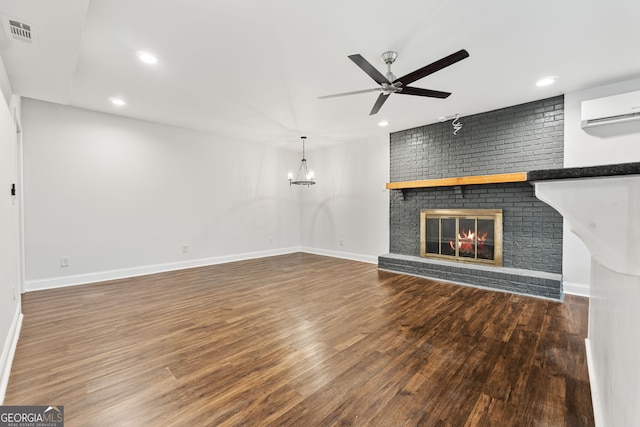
{"points": [[464, 235]]}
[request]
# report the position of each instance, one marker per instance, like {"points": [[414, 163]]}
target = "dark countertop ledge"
{"points": [[585, 172]]}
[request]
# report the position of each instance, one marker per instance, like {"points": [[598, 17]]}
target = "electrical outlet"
{"points": [[271, 240], [341, 242], [14, 292], [185, 249], [64, 261]]}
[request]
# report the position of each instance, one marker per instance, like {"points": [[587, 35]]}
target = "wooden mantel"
{"points": [[463, 180], [531, 176]]}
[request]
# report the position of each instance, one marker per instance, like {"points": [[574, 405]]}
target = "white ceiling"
{"points": [[253, 69]]}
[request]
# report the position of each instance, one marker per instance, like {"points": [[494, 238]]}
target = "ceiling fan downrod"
{"points": [[389, 57]]}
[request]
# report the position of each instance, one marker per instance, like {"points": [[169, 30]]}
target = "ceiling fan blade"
{"points": [[369, 69], [377, 89], [376, 107], [409, 90], [433, 67]]}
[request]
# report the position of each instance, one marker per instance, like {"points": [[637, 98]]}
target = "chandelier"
{"points": [[303, 177]]}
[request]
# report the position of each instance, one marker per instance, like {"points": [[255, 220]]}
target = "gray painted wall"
{"points": [[520, 138]]}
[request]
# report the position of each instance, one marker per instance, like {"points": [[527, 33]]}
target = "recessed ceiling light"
{"points": [[117, 101], [546, 81], [383, 123], [147, 58]]}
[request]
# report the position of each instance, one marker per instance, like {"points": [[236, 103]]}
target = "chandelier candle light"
{"points": [[304, 176]]}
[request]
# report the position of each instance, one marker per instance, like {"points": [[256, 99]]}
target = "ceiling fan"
{"points": [[390, 84]]}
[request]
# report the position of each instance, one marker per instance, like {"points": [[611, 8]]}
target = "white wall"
{"points": [[121, 197], [582, 148], [614, 346], [597, 147], [347, 213], [614, 320], [5, 86], [10, 315], [604, 213]]}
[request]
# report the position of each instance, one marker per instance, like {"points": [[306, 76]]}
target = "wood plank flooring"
{"points": [[301, 340]]}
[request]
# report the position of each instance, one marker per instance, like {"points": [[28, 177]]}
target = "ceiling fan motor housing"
{"points": [[389, 57]]}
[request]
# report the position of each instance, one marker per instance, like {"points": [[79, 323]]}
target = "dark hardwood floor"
{"points": [[301, 340]]}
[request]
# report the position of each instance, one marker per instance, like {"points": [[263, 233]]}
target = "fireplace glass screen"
{"points": [[462, 235]]}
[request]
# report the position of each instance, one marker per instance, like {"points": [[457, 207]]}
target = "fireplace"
{"points": [[482, 168], [527, 238], [462, 235]]}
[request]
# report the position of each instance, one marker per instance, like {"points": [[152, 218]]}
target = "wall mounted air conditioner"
{"points": [[611, 109]]}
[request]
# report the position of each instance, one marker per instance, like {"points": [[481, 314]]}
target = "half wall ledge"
{"points": [[514, 280]]}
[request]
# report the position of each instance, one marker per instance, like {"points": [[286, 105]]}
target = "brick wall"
{"points": [[532, 230], [514, 139]]}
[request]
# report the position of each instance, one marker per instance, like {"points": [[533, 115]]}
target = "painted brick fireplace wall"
{"points": [[514, 139]]}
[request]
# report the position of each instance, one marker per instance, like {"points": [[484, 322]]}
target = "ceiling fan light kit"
{"points": [[389, 84]]}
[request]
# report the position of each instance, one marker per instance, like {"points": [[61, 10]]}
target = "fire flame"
{"points": [[466, 241]]}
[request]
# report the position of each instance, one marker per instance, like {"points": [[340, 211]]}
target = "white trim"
{"points": [[9, 351], [595, 393], [579, 289], [371, 259], [81, 279], [20, 190]]}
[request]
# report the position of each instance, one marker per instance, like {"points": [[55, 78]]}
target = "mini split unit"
{"points": [[611, 110]]}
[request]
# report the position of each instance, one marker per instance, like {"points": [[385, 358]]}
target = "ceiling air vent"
{"points": [[20, 31], [17, 30]]}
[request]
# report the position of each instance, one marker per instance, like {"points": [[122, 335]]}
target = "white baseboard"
{"points": [[9, 351], [81, 279], [579, 289], [101, 276], [593, 382], [371, 259]]}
